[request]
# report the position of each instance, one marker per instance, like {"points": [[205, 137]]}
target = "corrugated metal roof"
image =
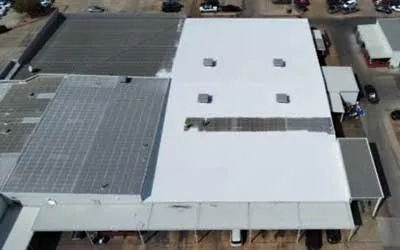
{"points": [[360, 167], [110, 44], [96, 136], [390, 26]]}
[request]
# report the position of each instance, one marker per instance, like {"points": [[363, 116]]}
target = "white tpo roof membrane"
{"points": [[196, 166]]}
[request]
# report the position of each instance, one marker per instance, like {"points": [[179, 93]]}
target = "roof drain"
{"points": [[209, 62]]}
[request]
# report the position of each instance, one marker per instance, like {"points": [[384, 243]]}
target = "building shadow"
{"points": [[379, 170], [44, 241], [337, 125]]}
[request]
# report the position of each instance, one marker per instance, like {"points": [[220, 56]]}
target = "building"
{"points": [[342, 88], [238, 135], [380, 42]]}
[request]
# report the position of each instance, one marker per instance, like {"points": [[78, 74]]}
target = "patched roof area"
{"points": [[21, 106], [110, 44], [98, 135]]}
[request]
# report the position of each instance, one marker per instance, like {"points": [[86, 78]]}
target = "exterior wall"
{"points": [[41, 199], [350, 97], [395, 60]]}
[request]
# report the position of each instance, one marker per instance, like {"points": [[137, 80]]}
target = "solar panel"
{"points": [[97, 136]]}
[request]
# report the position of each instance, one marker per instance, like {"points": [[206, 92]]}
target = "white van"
{"points": [[236, 238]]}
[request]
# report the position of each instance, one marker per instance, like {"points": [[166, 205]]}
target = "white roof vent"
{"points": [[279, 62], [282, 98], [209, 62], [204, 98]]}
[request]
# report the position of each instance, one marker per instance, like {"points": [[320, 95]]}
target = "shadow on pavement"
{"points": [[355, 210], [44, 241], [337, 125], [379, 170]]}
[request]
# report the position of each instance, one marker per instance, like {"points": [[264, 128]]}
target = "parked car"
{"points": [[46, 3], [230, 8], [5, 4], [395, 114], [334, 8], [395, 8], [282, 1], [333, 236], [3, 29], [314, 239], [349, 3], [208, 8], [171, 7], [236, 238], [383, 8], [351, 8], [3, 10], [371, 93], [95, 9]]}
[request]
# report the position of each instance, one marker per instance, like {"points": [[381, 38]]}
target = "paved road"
{"points": [[377, 124]]}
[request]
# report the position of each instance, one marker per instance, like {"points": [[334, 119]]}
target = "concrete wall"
{"points": [[42, 37], [395, 60]]}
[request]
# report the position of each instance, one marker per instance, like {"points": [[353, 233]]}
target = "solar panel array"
{"points": [[259, 124], [96, 136]]}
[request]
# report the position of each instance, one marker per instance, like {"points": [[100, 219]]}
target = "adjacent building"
{"points": [[237, 135], [380, 42]]}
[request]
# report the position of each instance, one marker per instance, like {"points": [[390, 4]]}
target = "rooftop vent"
{"points": [[279, 62], [124, 79], [209, 62], [204, 98], [282, 98]]}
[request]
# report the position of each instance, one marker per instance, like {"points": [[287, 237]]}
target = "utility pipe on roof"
{"points": [[377, 205]]}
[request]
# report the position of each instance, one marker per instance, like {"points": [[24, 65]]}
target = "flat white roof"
{"points": [[375, 41], [340, 79], [196, 166], [192, 216]]}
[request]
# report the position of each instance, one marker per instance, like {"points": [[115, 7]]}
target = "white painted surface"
{"points": [[336, 102], [395, 60], [192, 216], [375, 41], [22, 231], [339, 79], [198, 166]]}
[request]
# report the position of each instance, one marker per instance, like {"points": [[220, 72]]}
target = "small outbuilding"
{"points": [[380, 42], [342, 87]]}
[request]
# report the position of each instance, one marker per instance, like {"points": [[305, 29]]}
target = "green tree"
{"points": [[22, 6]]}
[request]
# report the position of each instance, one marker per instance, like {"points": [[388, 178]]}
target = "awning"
{"points": [[196, 216], [360, 168], [375, 41], [22, 232]]}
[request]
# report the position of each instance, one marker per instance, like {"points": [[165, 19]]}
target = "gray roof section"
{"points": [[96, 136], [18, 104], [391, 29], [110, 44], [212, 124], [360, 167]]}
